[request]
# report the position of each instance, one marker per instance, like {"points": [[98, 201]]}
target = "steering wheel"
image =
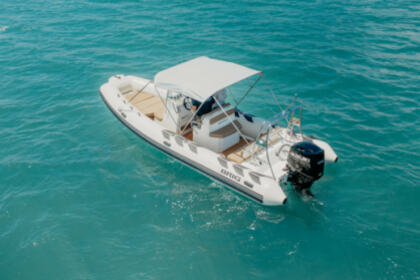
{"points": [[188, 103]]}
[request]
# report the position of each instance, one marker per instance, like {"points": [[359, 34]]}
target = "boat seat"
{"points": [[223, 132], [226, 130], [221, 116], [217, 132], [214, 110]]}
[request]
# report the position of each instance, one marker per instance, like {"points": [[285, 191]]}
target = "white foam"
{"points": [[3, 28]]}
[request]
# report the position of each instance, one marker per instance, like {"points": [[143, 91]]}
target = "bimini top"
{"points": [[202, 77]]}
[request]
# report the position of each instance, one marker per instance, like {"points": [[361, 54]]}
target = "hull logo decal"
{"points": [[230, 175]]}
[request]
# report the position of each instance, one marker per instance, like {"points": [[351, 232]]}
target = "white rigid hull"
{"points": [[254, 181]]}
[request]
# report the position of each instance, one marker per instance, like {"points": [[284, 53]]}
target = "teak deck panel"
{"points": [[147, 103]]}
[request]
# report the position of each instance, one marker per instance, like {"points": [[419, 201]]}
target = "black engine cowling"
{"points": [[306, 165]]}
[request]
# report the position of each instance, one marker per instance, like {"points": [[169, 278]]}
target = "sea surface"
{"points": [[82, 197]]}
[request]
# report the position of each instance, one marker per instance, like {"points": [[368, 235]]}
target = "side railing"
{"points": [[270, 131]]}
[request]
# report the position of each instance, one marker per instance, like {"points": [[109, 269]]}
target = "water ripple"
{"points": [[82, 197]]}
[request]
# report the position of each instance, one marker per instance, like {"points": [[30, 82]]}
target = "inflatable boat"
{"points": [[189, 112]]}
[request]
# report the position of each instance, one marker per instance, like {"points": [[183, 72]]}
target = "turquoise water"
{"points": [[81, 197]]}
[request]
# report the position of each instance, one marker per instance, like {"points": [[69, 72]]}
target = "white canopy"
{"points": [[202, 77]]}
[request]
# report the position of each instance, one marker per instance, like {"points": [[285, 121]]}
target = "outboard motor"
{"points": [[306, 165]]}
